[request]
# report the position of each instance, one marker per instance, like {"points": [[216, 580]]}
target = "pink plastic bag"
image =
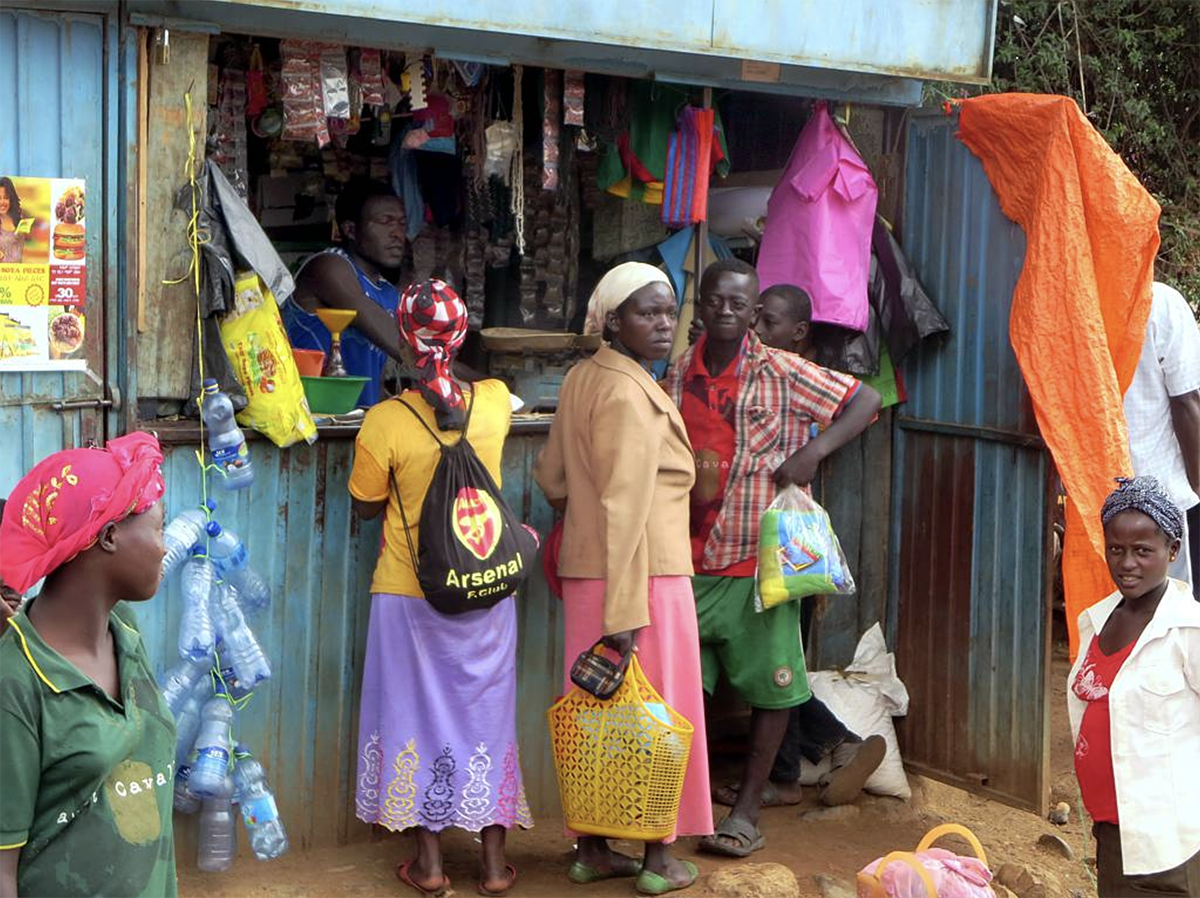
{"points": [[929, 872], [819, 222]]}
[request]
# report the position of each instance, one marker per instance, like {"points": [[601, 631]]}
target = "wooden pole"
{"points": [[143, 150], [701, 241]]}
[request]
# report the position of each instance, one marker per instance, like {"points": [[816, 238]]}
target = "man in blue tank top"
{"points": [[351, 276]]}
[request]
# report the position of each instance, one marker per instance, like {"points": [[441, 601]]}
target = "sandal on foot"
{"points": [[498, 893], [582, 874], [405, 877], [771, 796], [651, 883], [744, 834]]}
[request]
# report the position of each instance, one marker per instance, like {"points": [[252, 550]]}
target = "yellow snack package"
{"points": [[261, 356]]}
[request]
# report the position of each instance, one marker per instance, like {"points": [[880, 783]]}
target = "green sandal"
{"points": [[651, 883], [583, 874]]}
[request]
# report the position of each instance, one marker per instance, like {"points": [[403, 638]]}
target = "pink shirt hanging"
{"points": [[819, 222]]}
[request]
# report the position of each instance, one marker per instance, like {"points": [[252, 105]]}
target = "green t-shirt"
{"points": [[87, 781]]}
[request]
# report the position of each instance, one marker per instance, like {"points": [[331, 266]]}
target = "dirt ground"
{"points": [[835, 848]]}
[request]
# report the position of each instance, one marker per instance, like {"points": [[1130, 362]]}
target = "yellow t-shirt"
{"points": [[391, 439]]}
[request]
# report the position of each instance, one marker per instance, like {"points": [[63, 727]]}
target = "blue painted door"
{"points": [[968, 562], [58, 72]]}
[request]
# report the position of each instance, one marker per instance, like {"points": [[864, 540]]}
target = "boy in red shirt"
{"points": [[749, 411]]}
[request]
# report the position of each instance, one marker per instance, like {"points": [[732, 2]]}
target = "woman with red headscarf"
{"points": [[87, 746], [437, 740]]}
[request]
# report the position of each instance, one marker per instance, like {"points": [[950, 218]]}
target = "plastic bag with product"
{"points": [[798, 552], [261, 357]]}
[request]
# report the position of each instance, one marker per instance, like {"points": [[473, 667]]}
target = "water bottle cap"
{"points": [[196, 551], [211, 386], [210, 504], [212, 528]]}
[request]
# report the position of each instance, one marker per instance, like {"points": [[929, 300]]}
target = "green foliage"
{"points": [[1134, 68]]}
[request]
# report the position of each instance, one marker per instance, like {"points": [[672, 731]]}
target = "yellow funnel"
{"points": [[337, 320]]}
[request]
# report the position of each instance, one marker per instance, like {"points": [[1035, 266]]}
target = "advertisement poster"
{"points": [[43, 273]]}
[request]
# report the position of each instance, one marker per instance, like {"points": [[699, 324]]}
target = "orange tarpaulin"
{"points": [[1081, 304]]}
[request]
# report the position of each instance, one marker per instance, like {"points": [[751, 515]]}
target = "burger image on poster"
{"points": [[66, 333], [70, 235]]}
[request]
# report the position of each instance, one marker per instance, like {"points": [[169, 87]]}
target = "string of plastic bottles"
{"points": [[221, 663]]}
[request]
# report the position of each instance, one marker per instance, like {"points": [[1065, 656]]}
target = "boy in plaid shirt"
{"points": [[749, 410]]}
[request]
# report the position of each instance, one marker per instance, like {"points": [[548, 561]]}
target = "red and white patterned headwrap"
{"points": [[433, 321]]}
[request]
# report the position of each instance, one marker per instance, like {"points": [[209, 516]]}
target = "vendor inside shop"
{"points": [[351, 275]]}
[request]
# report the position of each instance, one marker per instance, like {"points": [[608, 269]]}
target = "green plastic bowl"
{"points": [[332, 395]]}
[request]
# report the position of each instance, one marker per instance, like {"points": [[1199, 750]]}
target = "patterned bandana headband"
{"points": [[433, 321], [1144, 494], [59, 508]]}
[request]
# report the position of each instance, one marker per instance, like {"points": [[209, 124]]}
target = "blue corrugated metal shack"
{"points": [[96, 91]]}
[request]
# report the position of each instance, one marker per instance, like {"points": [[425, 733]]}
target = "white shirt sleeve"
{"points": [[1176, 341]]}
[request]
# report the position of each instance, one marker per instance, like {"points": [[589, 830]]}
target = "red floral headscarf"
{"points": [[433, 321], [59, 508]]}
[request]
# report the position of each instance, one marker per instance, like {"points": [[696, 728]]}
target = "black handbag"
{"points": [[474, 552]]}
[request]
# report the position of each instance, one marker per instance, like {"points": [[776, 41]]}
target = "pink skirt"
{"points": [[669, 652]]}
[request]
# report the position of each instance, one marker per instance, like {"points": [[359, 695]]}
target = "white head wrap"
{"points": [[615, 287]]}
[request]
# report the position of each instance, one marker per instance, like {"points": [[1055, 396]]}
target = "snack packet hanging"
{"points": [[798, 552]]}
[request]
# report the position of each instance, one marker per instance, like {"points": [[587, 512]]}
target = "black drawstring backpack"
{"points": [[474, 552]]}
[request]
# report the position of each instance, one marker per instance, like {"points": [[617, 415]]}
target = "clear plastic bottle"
{"points": [[226, 442], [197, 635], [228, 554], [216, 842], [187, 720], [179, 682], [213, 744], [181, 534], [267, 836], [185, 801], [240, 647]]}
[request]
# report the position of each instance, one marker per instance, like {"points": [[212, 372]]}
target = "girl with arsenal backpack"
{"points": [[437, 743]]}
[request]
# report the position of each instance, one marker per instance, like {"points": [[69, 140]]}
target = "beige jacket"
{"points": [[618, 452]]}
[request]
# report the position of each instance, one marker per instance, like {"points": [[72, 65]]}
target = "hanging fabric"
{"points": [[819, 222], [693, 153]]}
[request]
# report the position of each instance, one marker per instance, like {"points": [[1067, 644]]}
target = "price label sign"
{"points": [[44, 241]]}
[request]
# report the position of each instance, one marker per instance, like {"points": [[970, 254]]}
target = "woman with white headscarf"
{"points": [[619, 463]]}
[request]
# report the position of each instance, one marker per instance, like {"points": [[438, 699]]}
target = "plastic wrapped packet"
{"points": [[335, 82], [370, 73], [798, 552], [573, 94], [551, 128], [301, 95]]}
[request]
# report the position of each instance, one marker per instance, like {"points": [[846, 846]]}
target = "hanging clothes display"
{"points": [[634, 166], [819, 222], [693, 153]]}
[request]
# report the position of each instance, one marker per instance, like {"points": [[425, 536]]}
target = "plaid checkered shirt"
{"points": [[780, 395]]}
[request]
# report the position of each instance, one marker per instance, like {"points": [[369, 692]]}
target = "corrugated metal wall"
{"points": [[59, 75], [968, 523], [300, 533]]}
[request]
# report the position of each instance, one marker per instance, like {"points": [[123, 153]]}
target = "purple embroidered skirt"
{"points": [[437, 733]]}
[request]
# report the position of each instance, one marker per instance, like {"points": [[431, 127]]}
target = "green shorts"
{"points": [[760, 652]]}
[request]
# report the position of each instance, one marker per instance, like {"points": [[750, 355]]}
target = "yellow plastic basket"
{"points": [[620, 766]]}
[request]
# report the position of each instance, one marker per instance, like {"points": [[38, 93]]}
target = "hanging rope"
{"points": [[518, 161]]}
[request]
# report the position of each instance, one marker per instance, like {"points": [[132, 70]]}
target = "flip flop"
{"points": [[771, 796], [744, 833], [498, 893], [405, 877], [583, 874], [651, 883]]}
